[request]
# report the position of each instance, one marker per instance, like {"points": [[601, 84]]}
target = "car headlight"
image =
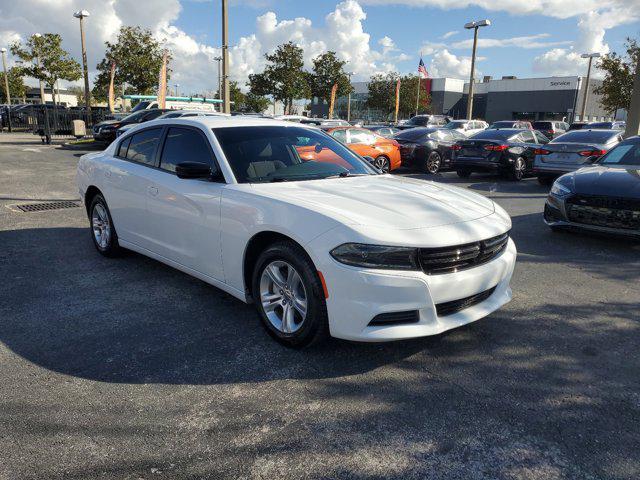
{"points": [[377, 256], [560, 190]]}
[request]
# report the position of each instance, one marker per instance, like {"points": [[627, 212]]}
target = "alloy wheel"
{"points": [[101, 226], [518, 168], [382, 163], [283, 296], [433, 162]]}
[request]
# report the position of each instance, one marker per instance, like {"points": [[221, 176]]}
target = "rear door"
{"points": [[127, 182]]}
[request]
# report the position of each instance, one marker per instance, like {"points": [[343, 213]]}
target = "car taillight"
{"points": [[592, 153], [541, 151], [496, 148], [456, 147]]}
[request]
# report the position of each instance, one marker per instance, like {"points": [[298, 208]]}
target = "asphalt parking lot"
{"points": [[127, 368]]}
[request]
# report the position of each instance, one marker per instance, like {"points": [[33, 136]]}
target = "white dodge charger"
{"points": [[286, 217]]}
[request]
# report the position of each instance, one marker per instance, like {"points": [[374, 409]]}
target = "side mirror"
{"points": [[317, 148], [192, 170]]}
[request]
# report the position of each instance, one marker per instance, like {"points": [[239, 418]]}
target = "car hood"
{"points": [[383, 201], [602, 180], [108, 122]]}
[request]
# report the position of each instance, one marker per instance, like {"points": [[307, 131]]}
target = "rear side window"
{"points": [[184, 145], [340, 135], [122, 148], [143, 145]]}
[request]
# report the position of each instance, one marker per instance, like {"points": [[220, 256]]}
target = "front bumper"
{"points": [[357, 295], [555, 215], [105, 136]]}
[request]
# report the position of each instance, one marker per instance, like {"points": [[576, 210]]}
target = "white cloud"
{"points": [[446, 64], [449, 34]]}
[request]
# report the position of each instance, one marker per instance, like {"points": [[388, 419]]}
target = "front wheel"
{"points": [[103, 232], [433, 163], [382, 163], [519, 166], [289, 296]]}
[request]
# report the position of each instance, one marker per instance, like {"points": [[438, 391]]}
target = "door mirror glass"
{"points": [[191, 170]]}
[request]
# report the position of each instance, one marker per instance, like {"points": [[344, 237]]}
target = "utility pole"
{"points": [[474, 26], [6, 86], [349, 99], [633, 116], [219, 59], [226, 100], [81, 14], [590, 56]]}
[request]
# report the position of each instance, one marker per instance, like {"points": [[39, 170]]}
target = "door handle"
{"points": [[153, 191]]}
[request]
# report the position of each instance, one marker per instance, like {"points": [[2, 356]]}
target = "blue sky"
{"points": [[410, 27]]}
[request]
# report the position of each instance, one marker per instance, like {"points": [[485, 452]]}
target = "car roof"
{"points": [[216, 121]]}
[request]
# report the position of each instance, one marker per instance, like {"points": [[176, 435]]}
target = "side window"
{"points": [[142, 148], [541, 138], [122, 148], [340, 135], [184, 145], [527, 137], [360, 136]]}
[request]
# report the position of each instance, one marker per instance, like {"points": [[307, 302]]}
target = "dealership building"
{"points": [[508, 98]]}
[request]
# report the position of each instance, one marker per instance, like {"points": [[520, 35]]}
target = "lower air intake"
{"points": [[395, 318], [455, 306]]}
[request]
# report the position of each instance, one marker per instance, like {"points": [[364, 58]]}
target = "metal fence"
{"points": [[48, 121]]}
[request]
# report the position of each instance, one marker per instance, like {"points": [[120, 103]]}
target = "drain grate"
{"points": [[41, 207]]}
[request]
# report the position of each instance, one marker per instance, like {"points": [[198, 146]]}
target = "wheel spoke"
{"points": [[300, 304], [269, 302], [276, 277], [288, 319]]}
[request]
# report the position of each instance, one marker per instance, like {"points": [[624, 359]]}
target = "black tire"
{"points": [[518, 169], [314, 328], [383, 163], [110, 248], [463, 173], [432, 163], [545, 180]]}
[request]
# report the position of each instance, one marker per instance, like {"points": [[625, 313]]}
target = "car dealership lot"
{"points": [[127, 368]]}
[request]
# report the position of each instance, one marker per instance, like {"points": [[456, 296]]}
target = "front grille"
{"points": [[461, 257], [612, 212], [455, 306], [395, 318]]}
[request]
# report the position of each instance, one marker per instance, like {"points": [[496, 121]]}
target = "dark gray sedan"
{"points": [[571, 151]]}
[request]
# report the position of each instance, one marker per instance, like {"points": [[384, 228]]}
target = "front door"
{"points": [[185, 213]]}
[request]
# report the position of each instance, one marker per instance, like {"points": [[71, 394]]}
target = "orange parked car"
{"points": [[384, 151]]}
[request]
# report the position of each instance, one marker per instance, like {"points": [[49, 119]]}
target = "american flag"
{"points": [[422, 70]]}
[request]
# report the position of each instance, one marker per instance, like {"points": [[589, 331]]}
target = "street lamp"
{"points": [[177, 85], [42, 100], [474, 26], [349, 97], [590, 56], [6, 86], [81, 14]]}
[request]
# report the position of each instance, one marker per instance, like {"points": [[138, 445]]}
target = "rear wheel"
{"points": [[103, 232], [382, 163], [463, 173], [518, 169], [432, 163], [289, 296]]}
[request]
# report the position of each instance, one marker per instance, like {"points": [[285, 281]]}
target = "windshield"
{"points": [[141, 106], [279, 154], [134, 117], [601, 125], [501, 125], [455, 125], [585, 136], [623, 154]]}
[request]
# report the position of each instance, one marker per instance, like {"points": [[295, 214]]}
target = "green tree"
{"points": [[382, 94], [327, 71], [617, 85], [17, 88], [52, 62], [255, 103], [138, 58], [283, 77], [237, 97]]}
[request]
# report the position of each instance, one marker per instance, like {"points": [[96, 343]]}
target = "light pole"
{"points": [[590, 56], [474, 26], [349, 98], [226, 99], [42, 100], [81, 14], [219, 59], [6, 86], [177, 85]]}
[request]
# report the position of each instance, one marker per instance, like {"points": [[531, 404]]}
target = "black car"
{"points": [[427, 149], [509, 152], [617, 125], [106, 131], [604, 197], [424, 121], [551, 128]]}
